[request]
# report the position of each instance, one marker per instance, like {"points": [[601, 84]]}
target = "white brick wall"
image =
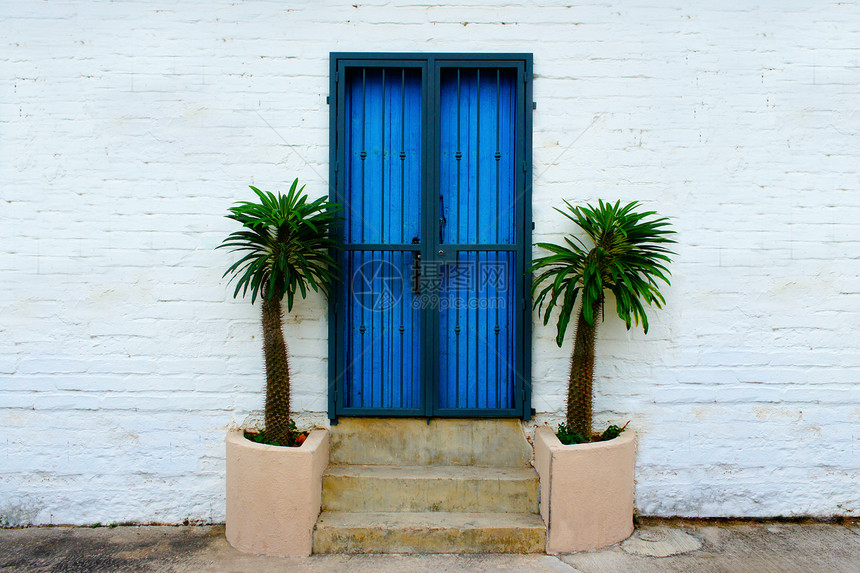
{"points": [[126, 130]]}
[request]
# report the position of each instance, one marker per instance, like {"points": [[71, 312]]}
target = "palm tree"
{"points": [[627, 258], [286, 240]]}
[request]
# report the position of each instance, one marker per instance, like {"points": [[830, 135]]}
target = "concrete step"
{"points": [[442, 442], [428, 532], [430, 488]]}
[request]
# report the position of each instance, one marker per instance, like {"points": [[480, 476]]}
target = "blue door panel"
{"points": [[430, 315], [478, 155], [381, 362], [383, 151], [477, 333], [477, 353], [383, 327]]}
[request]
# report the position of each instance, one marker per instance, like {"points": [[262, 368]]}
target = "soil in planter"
{"points": [[297, 438], [569, 437]]}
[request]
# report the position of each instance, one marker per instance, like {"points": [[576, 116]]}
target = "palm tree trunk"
{"points": [[579, 396], [277, 374]]}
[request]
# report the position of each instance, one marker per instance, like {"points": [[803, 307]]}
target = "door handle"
{"points": [[442, 220], [416, 269]]}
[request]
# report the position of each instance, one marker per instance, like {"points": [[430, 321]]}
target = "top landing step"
{"points": [[414, 441]]}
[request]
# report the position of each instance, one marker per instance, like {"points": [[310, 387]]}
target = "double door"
{"points": [[431, 161]]}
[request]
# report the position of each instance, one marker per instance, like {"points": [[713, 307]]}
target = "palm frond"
{"points": [[628, 256], [286, 240]]}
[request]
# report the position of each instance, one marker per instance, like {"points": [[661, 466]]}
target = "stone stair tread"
{"points": [[428, 520], [483, 442], [382, 488], [429, 532], [429, 472]]}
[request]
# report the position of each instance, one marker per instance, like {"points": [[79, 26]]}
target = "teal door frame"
{"points": [[432, 392]]}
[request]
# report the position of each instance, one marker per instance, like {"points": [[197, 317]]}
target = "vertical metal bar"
{"points": [[445, 112], [458, 155], [363, 142], [485, 334], [402, 219], [336, 144], [478, 160], [527, 237], [456, 239], [512, 338], [497, 216], [384, 314], [379, 338], [363, 155], [357, 259], [366, 328], [475, 260], [382, 201], [335, 331], [473, 337], [429, 188], [347, 334], [368, 336], [498, 151], [402, 151], [520, 316]]}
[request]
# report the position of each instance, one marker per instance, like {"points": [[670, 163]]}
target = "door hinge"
{"points": [[525, 167], [328, 100]]}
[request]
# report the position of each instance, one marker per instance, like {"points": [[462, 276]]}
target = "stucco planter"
{"points": [[274, 494], [586, 496]]}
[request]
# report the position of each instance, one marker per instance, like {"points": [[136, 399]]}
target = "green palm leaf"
{"points": [[626, 257], [286, 240]]}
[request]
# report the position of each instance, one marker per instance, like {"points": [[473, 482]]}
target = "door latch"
{"points": [[416, 268]]}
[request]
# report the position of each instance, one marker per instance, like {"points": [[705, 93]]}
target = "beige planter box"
{"points": [[274, 494], [586, 496]]}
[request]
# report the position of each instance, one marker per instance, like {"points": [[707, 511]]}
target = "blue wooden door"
{"points": [[381, 325], [430, 162], [477, 324]]}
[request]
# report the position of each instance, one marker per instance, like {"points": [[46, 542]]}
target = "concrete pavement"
{"points": [[658, 545]]}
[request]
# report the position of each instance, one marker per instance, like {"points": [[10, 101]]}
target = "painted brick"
{"points": [[123, 357]]}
